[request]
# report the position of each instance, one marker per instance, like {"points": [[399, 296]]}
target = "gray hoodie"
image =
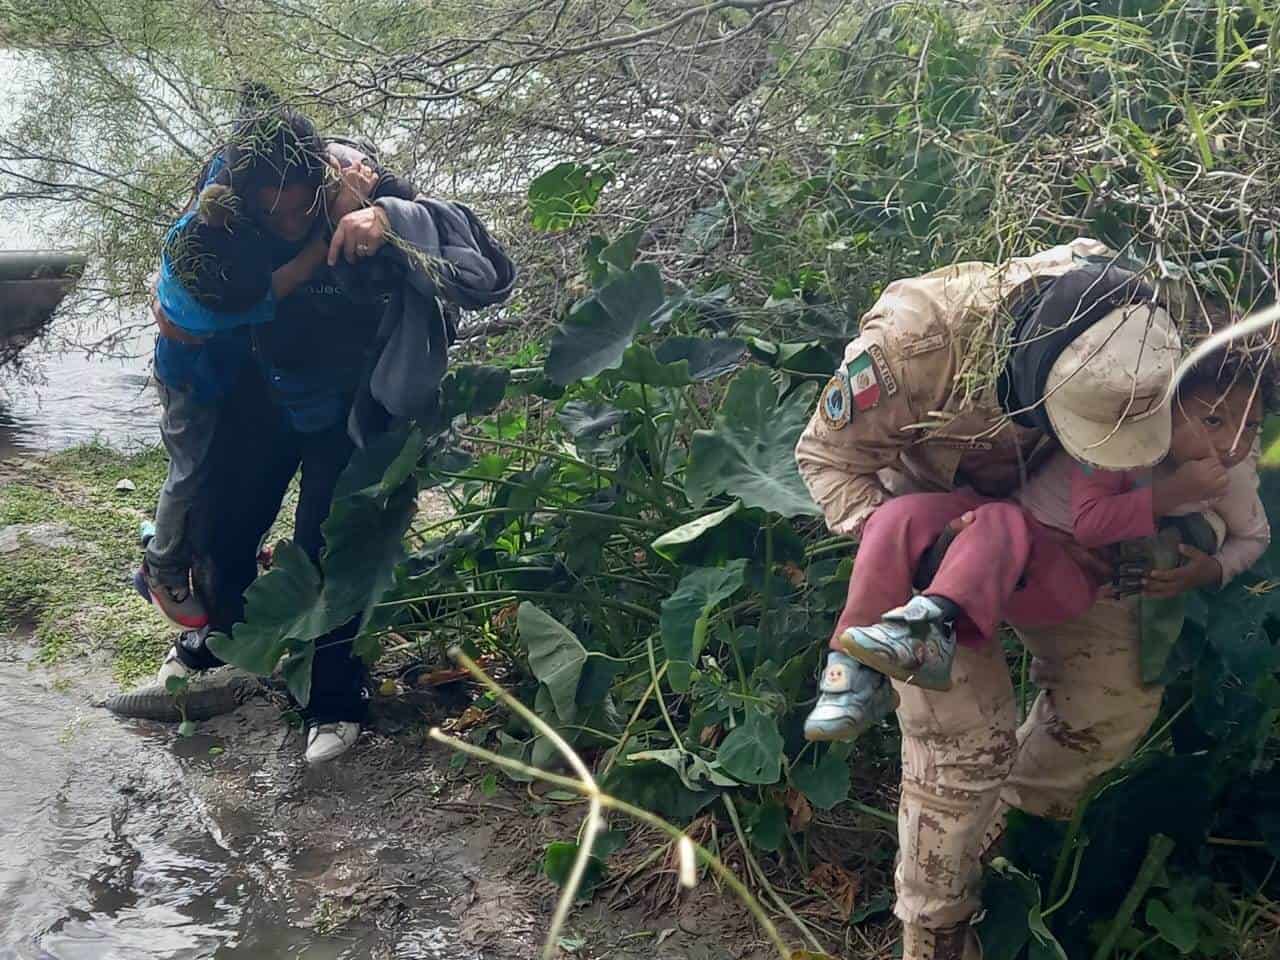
{"points": [[440, 258]]}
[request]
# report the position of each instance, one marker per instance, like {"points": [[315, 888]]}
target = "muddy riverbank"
{"points": [[122, 839]]}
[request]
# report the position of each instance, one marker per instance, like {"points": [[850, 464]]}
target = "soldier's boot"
{"points": [[953, 943], [850, 699], [915, 643]]}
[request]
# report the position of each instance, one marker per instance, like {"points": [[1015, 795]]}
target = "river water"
{"points": [[105, 854], [66, 395], [93, 861], [115, 846]]}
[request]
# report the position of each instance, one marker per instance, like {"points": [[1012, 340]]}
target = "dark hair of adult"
{"points": [[273, 145]]}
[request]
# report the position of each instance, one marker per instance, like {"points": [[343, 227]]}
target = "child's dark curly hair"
{"points": [[1249, 362], [221, 261]]}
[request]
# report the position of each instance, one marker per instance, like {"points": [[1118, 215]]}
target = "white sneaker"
{"points": [[173, 667], [328, 741], [914, 643], [851, 699]]}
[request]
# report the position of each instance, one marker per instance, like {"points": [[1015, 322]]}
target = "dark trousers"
{"points": [[255, 456]]}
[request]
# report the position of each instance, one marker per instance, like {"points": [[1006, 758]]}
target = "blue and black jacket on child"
{"points": [[215, 285], [370, 339]]}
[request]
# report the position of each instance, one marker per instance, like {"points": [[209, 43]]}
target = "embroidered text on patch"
{"points": [[834, 406], [864, 384], [887, 379], [913, 348], [957, 443]]}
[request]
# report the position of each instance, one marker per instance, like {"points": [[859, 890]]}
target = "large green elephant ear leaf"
{"points": [[750, 454], [602, 259], [591, 426], [281, 605], [565, 195], [656, 786], [708, 357], [670, 543], [364, 532], [294, 604], [1012, 919], [379, 468], [640, 365], [684, 616], [582, 419], [556, 658], [474, 389], [598, 330], [752, 752], [296, 670], [364, 542], [825, 784]]}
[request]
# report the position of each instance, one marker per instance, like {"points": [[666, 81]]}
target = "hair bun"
{"points": [[217, 205], [256, 99]]}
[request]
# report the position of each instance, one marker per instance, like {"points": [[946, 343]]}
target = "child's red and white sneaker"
{"points": [[179, 604]]}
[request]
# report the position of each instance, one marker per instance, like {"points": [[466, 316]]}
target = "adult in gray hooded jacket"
{"points": [[358, 347]]}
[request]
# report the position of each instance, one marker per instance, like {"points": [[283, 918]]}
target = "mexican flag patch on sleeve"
{"points": [[864, 384]]}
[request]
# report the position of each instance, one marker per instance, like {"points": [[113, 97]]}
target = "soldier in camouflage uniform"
{"points": [[914, 407]]}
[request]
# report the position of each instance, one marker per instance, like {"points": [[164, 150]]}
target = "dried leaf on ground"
{"points": [[839, 884], [794, 574], [505, 617], [801, 811], [438, 678], [471, 717]]}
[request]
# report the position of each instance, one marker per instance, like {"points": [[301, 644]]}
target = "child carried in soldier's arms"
{"points": [[1006, 561]]}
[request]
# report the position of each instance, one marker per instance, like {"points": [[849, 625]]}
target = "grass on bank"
{"points": [[73, 592]]}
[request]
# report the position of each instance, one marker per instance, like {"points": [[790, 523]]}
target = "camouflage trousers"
{"points": [[966, 761]]}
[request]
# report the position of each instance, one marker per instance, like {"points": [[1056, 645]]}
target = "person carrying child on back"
{"points": [[1130, 463], [215, 285]]}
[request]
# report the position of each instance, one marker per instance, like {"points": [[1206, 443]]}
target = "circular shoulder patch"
{"points": [[835, 406]]}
